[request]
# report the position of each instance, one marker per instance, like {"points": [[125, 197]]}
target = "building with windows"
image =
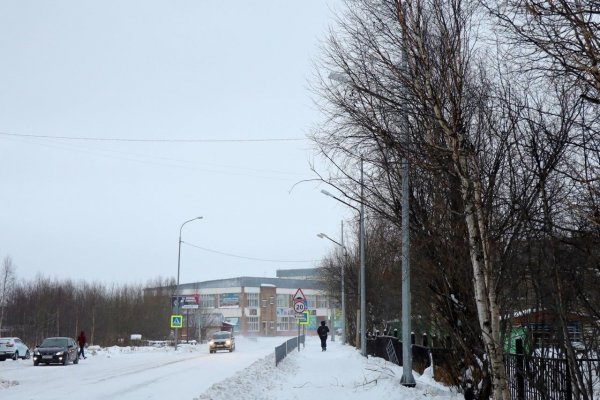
{"points": [[255, 305]]}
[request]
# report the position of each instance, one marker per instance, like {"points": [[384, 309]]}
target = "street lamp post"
{"points": [[363, 303], [178, 270], [407, 375], [324, 236]]}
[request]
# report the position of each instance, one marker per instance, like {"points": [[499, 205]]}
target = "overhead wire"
{"points": [[245, 257], [97, 139], [154, 159]]}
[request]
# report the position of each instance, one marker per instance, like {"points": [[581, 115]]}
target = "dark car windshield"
{"points": [[54, 342], [222, 335]]}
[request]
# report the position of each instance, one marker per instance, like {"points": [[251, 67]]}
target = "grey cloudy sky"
{"points": [[196, 69]]}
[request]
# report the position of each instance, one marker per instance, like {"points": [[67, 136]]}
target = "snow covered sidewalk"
{"points": [[340, 373]]}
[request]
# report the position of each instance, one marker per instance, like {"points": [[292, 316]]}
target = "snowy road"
{"points": [[123, 373]]}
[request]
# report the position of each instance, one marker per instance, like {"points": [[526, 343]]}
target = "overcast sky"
{"points": [[111, 210]]}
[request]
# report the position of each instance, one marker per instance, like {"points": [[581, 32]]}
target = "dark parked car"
{"points": [[56, 350]]}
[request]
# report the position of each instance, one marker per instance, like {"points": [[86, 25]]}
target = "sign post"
{"points": [[181, 302], [300, 307]]}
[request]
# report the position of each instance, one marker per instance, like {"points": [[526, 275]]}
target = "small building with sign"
{"points": [[256, 305]]}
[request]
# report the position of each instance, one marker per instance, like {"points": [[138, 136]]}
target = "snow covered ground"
{"points": [[340, 373], [192, 373]]}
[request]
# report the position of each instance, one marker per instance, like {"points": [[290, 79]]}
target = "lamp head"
{"points": [[326, 193], [339, 77], [321, 235]]}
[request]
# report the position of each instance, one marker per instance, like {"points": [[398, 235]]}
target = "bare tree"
{"points": [[45, 307], [446, 96], [558, 39], [494, 156], [7, 282]]}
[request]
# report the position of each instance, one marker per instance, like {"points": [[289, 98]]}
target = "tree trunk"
{"points": [[485, 291], [485, 302]]}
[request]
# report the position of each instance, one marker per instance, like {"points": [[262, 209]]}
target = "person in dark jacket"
{"points": [[81, 341], [322, 331]]}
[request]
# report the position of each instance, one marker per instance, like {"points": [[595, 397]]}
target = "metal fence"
{"points": [[390, 349], [287, 347], [529, 378], [540, 378]]}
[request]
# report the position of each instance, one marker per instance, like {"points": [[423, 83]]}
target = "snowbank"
{"points": [[340, 373]]}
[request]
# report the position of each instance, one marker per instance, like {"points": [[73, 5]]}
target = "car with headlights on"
{"points": [[13, 347], [56, 350], [222, 340]]}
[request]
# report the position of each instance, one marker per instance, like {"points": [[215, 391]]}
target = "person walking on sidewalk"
{"points": [[322, 331], [81, 341]]}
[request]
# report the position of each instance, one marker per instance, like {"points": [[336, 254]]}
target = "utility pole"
{"points": [[363, 302], [345, 253], [407, 375]]}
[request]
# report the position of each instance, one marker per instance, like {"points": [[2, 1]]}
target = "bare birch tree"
{"points": [[7, 282], [446, 97], [557, 39]]}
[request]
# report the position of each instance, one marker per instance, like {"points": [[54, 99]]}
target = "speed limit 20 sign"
{"points": [[299, 306]]}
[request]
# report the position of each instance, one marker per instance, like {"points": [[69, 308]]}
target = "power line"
{"points": [[96, 139], [247, 258]]}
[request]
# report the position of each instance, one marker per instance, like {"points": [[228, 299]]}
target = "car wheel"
{"points": [[36, 363], [27, 355], [16, 355], [76, 360], [66, 360]]}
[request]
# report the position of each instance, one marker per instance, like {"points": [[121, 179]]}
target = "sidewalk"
{"points": [[340, 373]]}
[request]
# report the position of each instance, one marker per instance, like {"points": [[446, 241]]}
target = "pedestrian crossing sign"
{"points": [[176, 321]]}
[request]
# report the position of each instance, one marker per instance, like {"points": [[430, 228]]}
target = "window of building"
{"points": [[283, 300], [272, 325], [207, 301], [252, 299], [574, 329], [229, 300], [253, 325], [312, 301], [283, 323], [271, 300], [264, 302], [322, 302]]}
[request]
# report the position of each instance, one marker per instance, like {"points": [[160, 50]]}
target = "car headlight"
{"points": [[60, 353], [36, 353], [211, 343], [228, 342]]}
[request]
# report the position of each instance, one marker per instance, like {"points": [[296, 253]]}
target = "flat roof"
{"points": [[314, 273], [250, 281]]}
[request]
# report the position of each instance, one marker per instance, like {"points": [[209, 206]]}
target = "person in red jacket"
{"points": [[81, 341]]}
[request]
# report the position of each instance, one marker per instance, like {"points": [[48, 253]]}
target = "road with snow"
{"points": [[132, 373]]}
